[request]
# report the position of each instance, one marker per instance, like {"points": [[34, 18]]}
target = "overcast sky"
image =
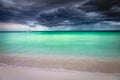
{"points": [[60, 14]]}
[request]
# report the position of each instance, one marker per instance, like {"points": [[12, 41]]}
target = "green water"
{"points": [[90, 44]]}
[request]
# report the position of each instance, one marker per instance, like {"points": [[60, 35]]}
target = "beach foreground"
{"points": [[23, 67], [106, 65], [27, 73]]}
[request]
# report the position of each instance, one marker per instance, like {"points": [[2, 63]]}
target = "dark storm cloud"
{"points": [[26, 9], [59, 12]]}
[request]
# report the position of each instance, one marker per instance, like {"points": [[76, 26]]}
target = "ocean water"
{"points": [[87, 44]]}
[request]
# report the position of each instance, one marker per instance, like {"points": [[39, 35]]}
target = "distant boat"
{"points": [[29, 31]]}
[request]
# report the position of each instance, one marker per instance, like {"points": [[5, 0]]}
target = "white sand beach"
{"points": [[66, 63], [18, 67], [27, 73]]}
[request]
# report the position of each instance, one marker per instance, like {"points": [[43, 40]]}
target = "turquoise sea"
{"points": [[87, 44]]}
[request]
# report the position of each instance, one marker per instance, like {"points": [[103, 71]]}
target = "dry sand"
{"points": [[27, 73], [66, 63], [22, 67]]}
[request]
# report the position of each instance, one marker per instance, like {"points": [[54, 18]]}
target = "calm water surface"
{"points": [[90, 44]]}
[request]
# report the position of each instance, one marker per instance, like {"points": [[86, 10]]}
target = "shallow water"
{"points": [[88, 44]]}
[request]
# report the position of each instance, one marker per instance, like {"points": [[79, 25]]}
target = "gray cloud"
{"points": [[56, 12]]}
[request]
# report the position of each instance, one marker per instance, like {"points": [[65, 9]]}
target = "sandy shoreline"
{"points": [[63, 63], [21, 67], [29, 73]]}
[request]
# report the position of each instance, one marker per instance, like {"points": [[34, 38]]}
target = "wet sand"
{"points": [[63, 63], [23, 67]]}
